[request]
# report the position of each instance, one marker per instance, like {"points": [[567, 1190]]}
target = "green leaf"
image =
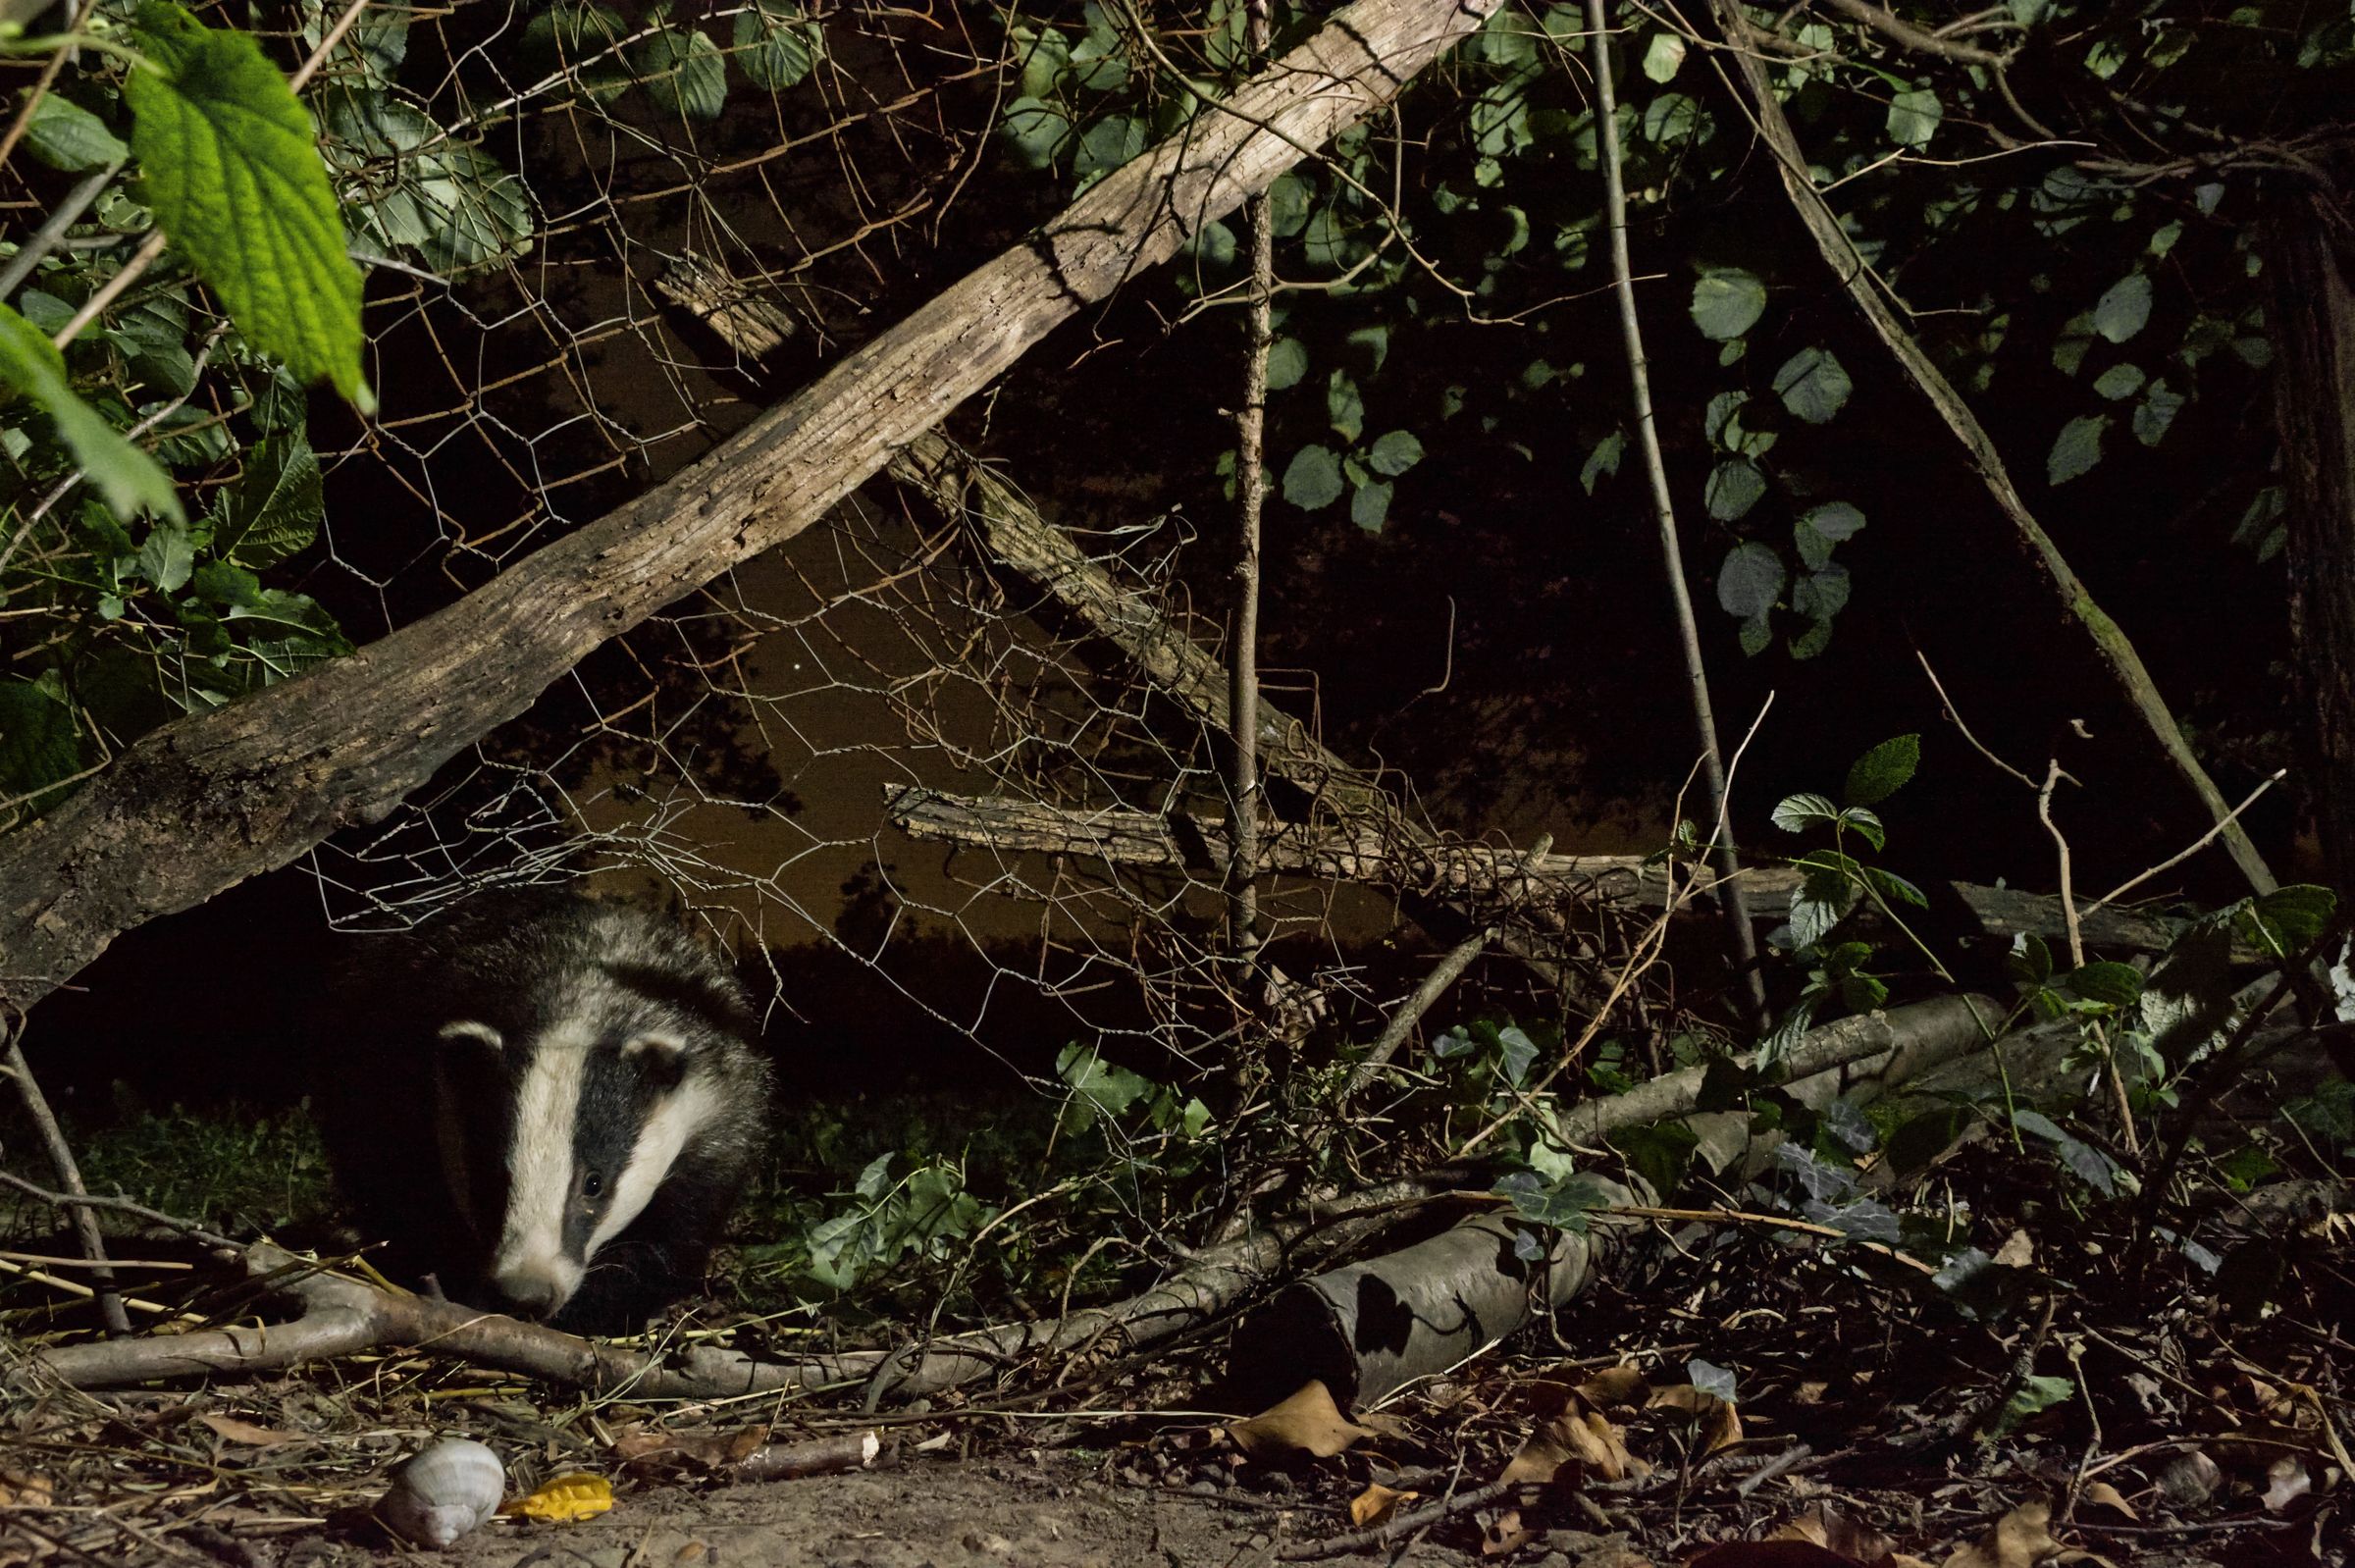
{"points": [[1750, 581], [2037, 1392], [2029, 962], [773, 46], [2076, 449], [1819, 528], [1603, 459], [276, 509], [1914, 117], [167, 557], [1663, 55], [1395, 453], [1109, 143], [231, 168], [1796, 811], [684, 71], [2117, 984], [2125, 309], [1287, 362], [1312, 480], [1370, 504], [1892, 887], [130, 480], [1727, 303], [1036, 132], [41, 745], [1734, 488], [2118, 380], [2157, 411], [65, 136], [2288, 920], [1812, 385], [1861, 821], [1882, 771], [1344, 407]]}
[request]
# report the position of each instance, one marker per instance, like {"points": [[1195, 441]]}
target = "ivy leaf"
{"points": [[1882, 771], [1914, 117], [1750, 581], [2076, 449], [1727, 303], [130, 480], [65, 136], [2125, 309], [1812, 385], [1734, 488], [275, 511], [1312, 480], [1395, 453], [232, 171]]}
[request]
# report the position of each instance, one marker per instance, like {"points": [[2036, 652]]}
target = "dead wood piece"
{"points": [[813, 1456], [1482, 882], [206, 802], [753, 325], [1369, 1329], [1019, 538]]}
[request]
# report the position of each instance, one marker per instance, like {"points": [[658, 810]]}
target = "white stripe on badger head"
{"points": [[531, 1266], [694, 1104]]}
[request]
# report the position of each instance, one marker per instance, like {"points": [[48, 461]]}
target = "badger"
{"points": [[547, 1103]]}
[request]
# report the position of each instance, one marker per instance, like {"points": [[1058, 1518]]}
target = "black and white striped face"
{"points": [[558, 1130]]}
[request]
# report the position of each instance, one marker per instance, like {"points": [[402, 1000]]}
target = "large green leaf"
{"points": [[1812, 385], [40, 742], [684, 71], [2124, 309], [130, 480], [1882, 771], [1750, 581], [233, 169], [1914, 117], [1313, 479], [2076, 449], [1727, 303]]}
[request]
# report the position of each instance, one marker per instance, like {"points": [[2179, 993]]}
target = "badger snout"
{"points": [[536, 1287]]}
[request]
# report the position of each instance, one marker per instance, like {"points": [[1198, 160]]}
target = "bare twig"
{"points": [[1742, 941], [68, 1174], [2191, 848], [1444, 974]]}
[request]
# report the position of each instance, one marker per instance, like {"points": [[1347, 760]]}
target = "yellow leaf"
{"points": [[1376, 1503], [565, 1500]]}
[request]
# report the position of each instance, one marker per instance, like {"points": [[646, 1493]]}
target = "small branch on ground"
{"points": [[69, 1174]]}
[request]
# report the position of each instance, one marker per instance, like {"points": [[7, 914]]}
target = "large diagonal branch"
{"points": [[2109, 642], [204, 803]]}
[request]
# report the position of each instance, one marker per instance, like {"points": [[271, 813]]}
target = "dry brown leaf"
{"points": [[1308, 1423], [1376, 1503], [229, 1428], [643, 1448], [1574, 1438], [1828, 1527], [1769, 1554], [2102, 1494], [2190, 1478], [2018, 1539], [1719, 1423], [1809, 1393], [1506, 1532], [1615, 1385], [26, 1488], [2016, 1252], [2285, 1483]]}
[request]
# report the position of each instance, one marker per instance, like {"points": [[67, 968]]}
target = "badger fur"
{"points": [[549, 1103]]}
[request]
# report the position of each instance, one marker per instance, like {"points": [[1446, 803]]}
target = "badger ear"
{"points": [[662, 1057], [472, 1029]]}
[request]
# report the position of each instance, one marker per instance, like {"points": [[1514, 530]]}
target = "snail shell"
{"points": [[443, 1492]]}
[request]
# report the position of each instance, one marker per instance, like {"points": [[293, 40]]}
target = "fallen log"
{"points": [[204, 803], [1485, 881]]}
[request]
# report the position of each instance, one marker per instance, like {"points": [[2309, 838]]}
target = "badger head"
{"points": [[556, 1133]]}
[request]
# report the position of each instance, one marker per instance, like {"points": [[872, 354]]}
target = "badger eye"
{"points": [[591, 1185]]}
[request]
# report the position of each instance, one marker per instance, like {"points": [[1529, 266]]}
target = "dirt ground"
{"points": [[917, 1513]]}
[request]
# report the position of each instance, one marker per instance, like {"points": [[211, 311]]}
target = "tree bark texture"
{"points": [[202, 804], [2314, 407], [1482, 882]]}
